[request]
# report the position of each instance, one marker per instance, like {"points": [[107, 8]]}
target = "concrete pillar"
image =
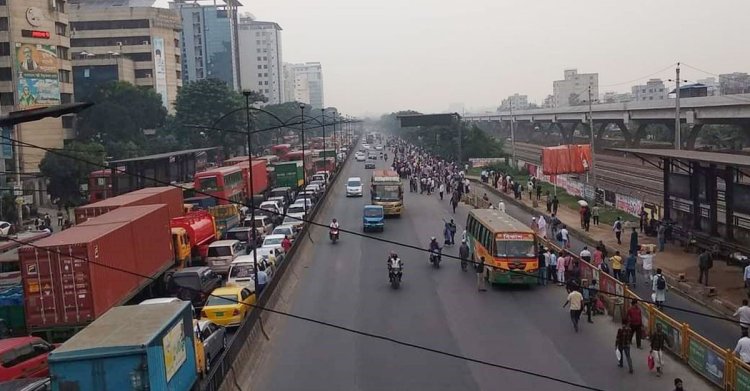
{"points": [[566, 131], [729, 173], [666, 169], [625, 131], [693, 130], [695, 172], [635, 141]]}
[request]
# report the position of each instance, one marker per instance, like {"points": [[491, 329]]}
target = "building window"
{"points": [[63, 53], [66, 98], [258, 50], [257, 42], [4, 23], [260, 67], [258, 58], [265, 74], [6, 99], [260, 83], [265, 82], [179, 74], [257, 34], [61, 29], [64, 75], [127, 24], [142, 73], [2, 2], [140, 56], [260, 75], [60, 6], [109, 41], [6, 74], [265, 66], [67, 121], [4, 48]]}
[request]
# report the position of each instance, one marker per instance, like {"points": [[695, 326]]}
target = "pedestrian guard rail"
{"points": [[717, 365]]}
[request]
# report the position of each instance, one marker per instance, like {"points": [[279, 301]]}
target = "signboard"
{"points": [[741, 378], [174, 349], [515, 236], [628, 204], [673, 334], [706, 361], [160, 70], [485, 161], [38, 83]]}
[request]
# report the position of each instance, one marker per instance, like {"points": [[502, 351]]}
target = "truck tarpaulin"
{"points": [[566, 159], [76, 275]]}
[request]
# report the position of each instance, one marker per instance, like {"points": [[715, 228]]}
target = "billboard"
{"points": [[38, 83], [160, 70], [174, 349]]}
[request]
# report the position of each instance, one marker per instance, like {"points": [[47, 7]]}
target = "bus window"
{"points": [[209, 183], [515, 248]]}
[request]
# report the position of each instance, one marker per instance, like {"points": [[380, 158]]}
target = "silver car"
{"points": [[214, 340]]}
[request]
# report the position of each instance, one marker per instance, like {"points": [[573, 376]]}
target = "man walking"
{"points": [[744, 313], [634, 318], [634, 241], [705, 262], [630, 264], [660, 289], [555, 204], [617, 227], [441, 190], [481, 287], [647, 262], [661, 237], [565, 235], [658, 340], [575, 300], [552, 266], [593, 293], [585, 254], [617, 266], [743, 348], [622, 344], [542, 273], [595, 214]]}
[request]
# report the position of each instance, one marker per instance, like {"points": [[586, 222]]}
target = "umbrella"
{"points": [[583, 203]]}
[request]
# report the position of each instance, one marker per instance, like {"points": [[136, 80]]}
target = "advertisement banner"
{"points": [[628, 204], [7, 150], [673, 334], [706, 361], [174, 349], [485, 161], [160, 70], [38, 83], [741, 378]]}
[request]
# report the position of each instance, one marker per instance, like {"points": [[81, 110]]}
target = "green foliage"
{"points": [[723, 137], [121, 114], [68, 169]]}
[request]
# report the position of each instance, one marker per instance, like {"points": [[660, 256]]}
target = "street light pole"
{"points": [[593, 152], [304, 171], [253, 231], [323, 117]]}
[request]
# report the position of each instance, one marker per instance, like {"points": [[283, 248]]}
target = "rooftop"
{"points": [[121, 3], [164, 155], [726, 159]]}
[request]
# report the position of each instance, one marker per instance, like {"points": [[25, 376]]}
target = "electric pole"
{"points": [[513, 137], [677, 132], [591, 128]]}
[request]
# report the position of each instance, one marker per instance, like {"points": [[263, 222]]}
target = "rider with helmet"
{"points": [[334, 229], [394, 265]]}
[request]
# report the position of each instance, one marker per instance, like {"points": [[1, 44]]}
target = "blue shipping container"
{"points": [[129, 348]]}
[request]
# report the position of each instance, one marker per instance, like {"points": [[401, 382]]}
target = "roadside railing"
{"points": [[717, 365]]}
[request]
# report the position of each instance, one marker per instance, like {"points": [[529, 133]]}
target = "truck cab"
{"points": [[182, 248]]}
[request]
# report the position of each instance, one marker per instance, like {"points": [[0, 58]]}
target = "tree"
{"points": [[121, 114], [67, 169]]}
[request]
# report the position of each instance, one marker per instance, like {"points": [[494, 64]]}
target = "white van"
{"points": [[241, 271], [221, 253]]}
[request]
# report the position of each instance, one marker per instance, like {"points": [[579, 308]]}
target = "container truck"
{"points": [[198, 229], [74, 276], [260, 176], [138, 347], [289, 174], [171, 196]]}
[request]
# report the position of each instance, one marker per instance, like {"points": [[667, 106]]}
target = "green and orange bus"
{"points": [[507, 245]]}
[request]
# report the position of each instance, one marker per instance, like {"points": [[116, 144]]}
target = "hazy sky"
{"points": [[388, 55]]}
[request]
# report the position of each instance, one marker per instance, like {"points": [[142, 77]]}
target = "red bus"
{"points": [[226, 184], [281, 150], [100, 184]]}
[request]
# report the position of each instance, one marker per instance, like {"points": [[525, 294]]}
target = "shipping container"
{"points": [[139, 347], [76, 275], [169, 195], [288, 174], [260, 176], [566, 159]]}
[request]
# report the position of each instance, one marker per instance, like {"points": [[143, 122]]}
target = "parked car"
{"points": [[24, 357], [320, 184], [314, 188], [287, 230], [378, 147], [221, 253], [326, 175], [286, 192], [310, 195], [274, 207], [159, 300], [228, 305], [239, 233], [360, 157], [262, 223], [214, 340], [370, 165], [298, 207], [270, 243], [319, 178], [354, 187], [193, 284], [242, 272], [282, 201]]}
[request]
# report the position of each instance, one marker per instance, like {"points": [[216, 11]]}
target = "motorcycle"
{"points": [[435, 258], [334, 235], [394, 275]]}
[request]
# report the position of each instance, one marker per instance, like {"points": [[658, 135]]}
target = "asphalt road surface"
{"points": [[347, 284]]}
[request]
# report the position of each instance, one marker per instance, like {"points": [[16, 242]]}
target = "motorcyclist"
{"points": [[434, 248], [463, 253], [394, 263], [334, 228]]}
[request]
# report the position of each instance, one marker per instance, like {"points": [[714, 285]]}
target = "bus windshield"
{"points": [[209, 183], [387, 192], [515, 248]]}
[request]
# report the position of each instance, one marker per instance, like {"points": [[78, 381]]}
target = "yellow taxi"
{"points": [[228, 306]]}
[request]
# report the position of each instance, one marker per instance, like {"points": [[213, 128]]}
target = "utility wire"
{"points": [[324, 323], [354, 233]]}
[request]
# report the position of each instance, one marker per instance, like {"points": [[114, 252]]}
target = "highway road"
{"points": [[347, 284]]}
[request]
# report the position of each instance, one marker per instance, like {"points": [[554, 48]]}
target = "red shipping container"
{"points": [[76, 275], [260, 176], [566, 159], [169, 195]]}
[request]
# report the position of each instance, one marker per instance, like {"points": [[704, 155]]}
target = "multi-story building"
{"points": [[573, 89], [35, 71], [208, 40], [734, 83], [134, 29], [654, 89], [711, 84], [549, 102], [289, 82], [514, 102], [261, 66], [308, 83]]}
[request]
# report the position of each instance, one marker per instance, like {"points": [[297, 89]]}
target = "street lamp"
{"points": [[302, 121]]}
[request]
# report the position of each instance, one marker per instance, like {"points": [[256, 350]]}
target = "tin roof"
{"points": [[726, 159]]}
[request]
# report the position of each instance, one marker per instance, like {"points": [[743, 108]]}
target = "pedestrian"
{"points": [[262, 279], [659, 289], [454, 201], [59, 218], [538, 192], [705, 262], [598, 257], [634, 241], [452, 231], [575, 300], [501, 206], [634, 318], [552, 266], [658, 340], [560, 269], [48, 221], [585, 254], [286, 244], [595, 214], [549, 204], [441, 190], [647, 264], [616, 266], [593, 294], [744, 313], [530, 188], [743, 348], [554, 224], [622, 344], [555, 204], [534, 226], [630, 264], [660, 236], [678, 384], [642, 216], [481, 287], [543, 258], [617, 227], [746, 276], [586, 218], [542, 224], [565, 236]]}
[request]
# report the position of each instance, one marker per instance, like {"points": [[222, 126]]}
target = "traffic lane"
{"points": [[721, 332], [436, 308]]}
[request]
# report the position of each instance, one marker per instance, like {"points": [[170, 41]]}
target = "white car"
{"points": [[379, 148], [270, 243], [354, 187], [286, 230], [360, 157], [295, 216], [304, 201], [272, 206]]}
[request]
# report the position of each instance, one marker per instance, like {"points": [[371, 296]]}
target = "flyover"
{"points": [[631, 117]]}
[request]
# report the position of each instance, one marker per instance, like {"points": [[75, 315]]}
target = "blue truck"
{"points": [[139, 347]]}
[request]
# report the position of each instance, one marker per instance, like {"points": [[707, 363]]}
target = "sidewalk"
{"points": [[673, 261]]}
